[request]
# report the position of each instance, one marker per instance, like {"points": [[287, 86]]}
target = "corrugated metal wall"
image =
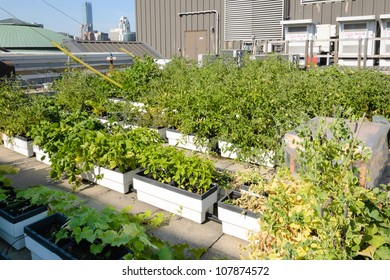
{"points": [[159, 25], [326, 12]]}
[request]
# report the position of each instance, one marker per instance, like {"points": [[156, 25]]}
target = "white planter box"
{"points": [[236, 221], [177, 139], [178, 201], [39, 252], [227, 151], [19, 145], [39, 154], [112, 179], [11, 227]]}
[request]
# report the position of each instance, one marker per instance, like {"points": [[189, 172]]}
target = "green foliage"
{"points": [[110, 227], [64, 141], [119, 148], [21, 110], [107, 227], [137, 79], [82, 91], [324, 213], [6, 170], [253, 106], [56, 201], [168, 165], [78, 142]]}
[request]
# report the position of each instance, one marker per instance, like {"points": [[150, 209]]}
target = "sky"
{"points": [[105, 13]]}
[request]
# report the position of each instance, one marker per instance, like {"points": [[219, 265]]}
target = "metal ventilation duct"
{"points": [[247, 18]]}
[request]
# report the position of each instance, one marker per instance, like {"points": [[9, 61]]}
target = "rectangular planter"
{"points": [[40, 247], [18, 144], [41, 155], [178, 139], [112, 179], [228, 151], [178, 201], [43, 249], [11, 227], [237, 221]]}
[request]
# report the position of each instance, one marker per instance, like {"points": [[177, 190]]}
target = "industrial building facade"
{"points": [[192, 27]]}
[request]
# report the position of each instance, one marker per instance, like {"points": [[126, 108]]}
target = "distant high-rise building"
{"points": [[88, 17], [86, 29], [123, 32]]}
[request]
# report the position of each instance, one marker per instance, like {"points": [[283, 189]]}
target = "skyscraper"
{"points": [[88, 17], [122, 32]]}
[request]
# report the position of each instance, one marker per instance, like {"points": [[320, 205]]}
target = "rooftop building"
{"points": [[17, 35]]}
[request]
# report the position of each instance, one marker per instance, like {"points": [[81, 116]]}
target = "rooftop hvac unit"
{"points": [[233, 53], [203, 58], [294, 58], [297, 32], [385, 44], [352, 31]]}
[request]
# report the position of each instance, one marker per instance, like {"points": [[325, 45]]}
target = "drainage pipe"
{"points": [[216, 23]]}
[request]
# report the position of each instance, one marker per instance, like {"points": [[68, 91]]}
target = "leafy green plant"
{"points": [[56, 200], [137, 78], [169, 165], [109, 227], [21, 110], [100, 229], [64, 141], [119, 148], [6, 170], [324, 213], [82, 91]]}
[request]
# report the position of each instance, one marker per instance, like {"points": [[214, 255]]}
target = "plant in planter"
{"points": [[63, 141], [137, 78], [199, 106], [152, 117], [20, 111], [15, 212], [240, 210], [113, 156], [177, 183], [324, 213], [87, 233], [82, 91]]}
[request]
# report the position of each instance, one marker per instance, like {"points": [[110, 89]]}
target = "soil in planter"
{"points": [[82, 251], [15, 206], [248, 202]]}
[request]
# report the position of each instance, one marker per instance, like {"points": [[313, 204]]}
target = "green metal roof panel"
{"points": [[17, 36]]}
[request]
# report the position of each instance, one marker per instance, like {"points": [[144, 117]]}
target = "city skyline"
{"points": [[105, 13]]}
